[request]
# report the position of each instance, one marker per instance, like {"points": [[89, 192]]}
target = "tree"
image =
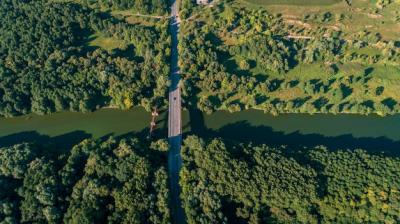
{"points": [[225, 180], [244, 65], [14, 160], [47, 66], [112, 181]]}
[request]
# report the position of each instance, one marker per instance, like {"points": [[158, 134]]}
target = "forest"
{"points": [[84, 55], [97, 181], [230, 182], [125, 180], [236, 57], [48, 64], [142, 6]]}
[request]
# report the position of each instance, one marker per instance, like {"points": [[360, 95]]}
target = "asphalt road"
{"points": [[174, 120]]}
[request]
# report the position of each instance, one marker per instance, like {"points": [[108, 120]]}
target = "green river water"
{"points": [[335, 131]]}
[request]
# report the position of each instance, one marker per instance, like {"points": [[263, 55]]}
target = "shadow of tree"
{"points": [[233, 68], [262, 134], [320, 102], [389, 102], [347, 91], [62, 142], [297, 148], [368, 71], [300, 101], [244, 132], [368, 104]]}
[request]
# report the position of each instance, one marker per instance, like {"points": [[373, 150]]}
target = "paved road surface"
{"points": [[174, 120]]}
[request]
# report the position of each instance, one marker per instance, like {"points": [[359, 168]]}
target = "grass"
{"points": [[356, 69], [135, 20], [132, 18], [312, 83], [388, 72], [380, 75], [366, 51], [362, 15], [305, 72], [294, 2], [106, 43]]}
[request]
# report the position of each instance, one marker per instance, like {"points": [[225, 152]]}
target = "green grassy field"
{"points": [[361, 16], [106, 43], [294, 2]]}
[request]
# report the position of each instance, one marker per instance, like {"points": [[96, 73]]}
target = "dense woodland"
{"points": [[226, 182], [125, 181], [47, 64], [234, 58], [112, 181], [141, 6]]}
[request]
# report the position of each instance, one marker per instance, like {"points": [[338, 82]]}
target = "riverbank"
{"points": [[275, 112]]}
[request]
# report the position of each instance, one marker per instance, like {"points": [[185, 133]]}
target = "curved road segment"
{"points": [[174, 120]]}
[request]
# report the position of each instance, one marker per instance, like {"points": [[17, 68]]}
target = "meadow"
{"points": [[294, 2], [336, 58]]}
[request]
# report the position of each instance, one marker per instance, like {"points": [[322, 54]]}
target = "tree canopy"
{"points": [[112, 181], [225, 182], [47, 64], [142, 6]]}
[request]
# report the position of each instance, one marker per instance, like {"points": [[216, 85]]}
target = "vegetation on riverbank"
{"points": [[234, 57], [126, 180], [238, 183], [111, 181], [65, 56]]}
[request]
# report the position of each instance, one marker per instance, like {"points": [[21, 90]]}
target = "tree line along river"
{"points": [[335, 131]]}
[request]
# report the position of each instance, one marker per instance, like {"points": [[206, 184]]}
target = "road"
{"points": [[174, 119]]}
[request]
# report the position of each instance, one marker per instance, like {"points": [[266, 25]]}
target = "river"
{"points": [[336, 131], [69, 128]]}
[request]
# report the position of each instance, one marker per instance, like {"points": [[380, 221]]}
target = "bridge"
{"points": [[174, 119]]}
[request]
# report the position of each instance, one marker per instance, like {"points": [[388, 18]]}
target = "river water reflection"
{"points": [[336, 131]]}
